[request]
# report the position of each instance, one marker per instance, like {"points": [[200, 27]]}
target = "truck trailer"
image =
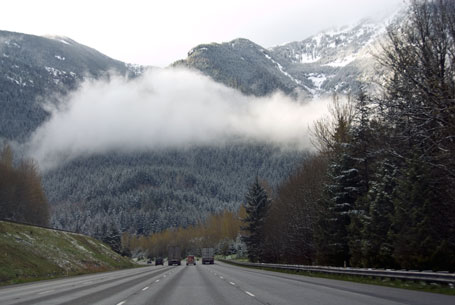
{"points": [[208, 255], [174, 256]]}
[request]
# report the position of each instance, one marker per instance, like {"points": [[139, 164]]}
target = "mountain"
{"points": [[335, 60], [35, 68], [331, 61], [144, 192], [136, 192], [243, 65]]}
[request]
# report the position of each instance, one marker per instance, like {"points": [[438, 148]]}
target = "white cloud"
{"points": [[166, 108]]}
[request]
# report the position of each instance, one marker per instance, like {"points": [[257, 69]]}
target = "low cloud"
{"points": [[167, 108]]}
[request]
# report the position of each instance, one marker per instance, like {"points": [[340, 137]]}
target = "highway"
{"points": [[208, 284]]}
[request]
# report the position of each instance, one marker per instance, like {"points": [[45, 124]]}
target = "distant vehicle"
{"points": [[174, 256], [190, 260], [149, 261], [159, 261], [208, 255]]}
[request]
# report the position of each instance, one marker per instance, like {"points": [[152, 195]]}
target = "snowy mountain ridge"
{"points": [[343, 44], [336, 60], [332, 60]]}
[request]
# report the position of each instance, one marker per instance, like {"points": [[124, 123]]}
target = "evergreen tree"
{"points": [[377, 239], [415, 240], [340, 191], [341, 194], [257, 204], [110, 235], [363, 150]]}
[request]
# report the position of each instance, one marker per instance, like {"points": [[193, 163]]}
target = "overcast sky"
{"points": [[159, 32]]}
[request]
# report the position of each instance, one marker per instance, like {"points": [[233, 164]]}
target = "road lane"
{"points": [[23, 290], [219, 284], [192, 285], [77, 290], [280, 288]]}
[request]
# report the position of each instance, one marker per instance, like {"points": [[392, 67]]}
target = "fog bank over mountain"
{"points": [[169, 108]]}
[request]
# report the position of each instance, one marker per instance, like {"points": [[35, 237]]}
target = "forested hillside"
{"points": [[149, 192], [36, 70], [243, 65]]}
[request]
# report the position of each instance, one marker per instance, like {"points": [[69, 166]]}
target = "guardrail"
{"points": [[408, 275]]}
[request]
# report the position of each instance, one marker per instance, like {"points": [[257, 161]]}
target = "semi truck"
{"points": [[174, 256], [208, 255]]}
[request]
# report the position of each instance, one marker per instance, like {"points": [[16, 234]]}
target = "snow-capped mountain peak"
{"points": [[336, 47]]}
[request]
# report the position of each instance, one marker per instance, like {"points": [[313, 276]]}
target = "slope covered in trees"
{"points": [[37, 69], [149, 192]]}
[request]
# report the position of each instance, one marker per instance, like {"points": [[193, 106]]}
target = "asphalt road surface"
{"points": [[206, 285]]}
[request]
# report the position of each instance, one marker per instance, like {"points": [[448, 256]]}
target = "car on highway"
{"points": [[159, 261], [190, 260]]}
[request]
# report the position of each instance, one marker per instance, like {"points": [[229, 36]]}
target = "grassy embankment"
{"points": [[422, 286], [29, 253]]}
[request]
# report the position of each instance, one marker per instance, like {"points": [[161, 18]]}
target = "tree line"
{"points": [[380, 191], [220, 231], [21, 195]]}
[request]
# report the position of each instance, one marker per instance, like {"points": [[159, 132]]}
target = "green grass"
{"points": [[420, 286], [30, 253]]}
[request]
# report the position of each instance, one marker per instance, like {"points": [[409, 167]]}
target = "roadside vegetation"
{"points": [[29, 253], [21, 195], [220, 231]]}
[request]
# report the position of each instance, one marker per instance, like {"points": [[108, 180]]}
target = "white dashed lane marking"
{"points": [[234, 284], [44, 292], [145, 288]]}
